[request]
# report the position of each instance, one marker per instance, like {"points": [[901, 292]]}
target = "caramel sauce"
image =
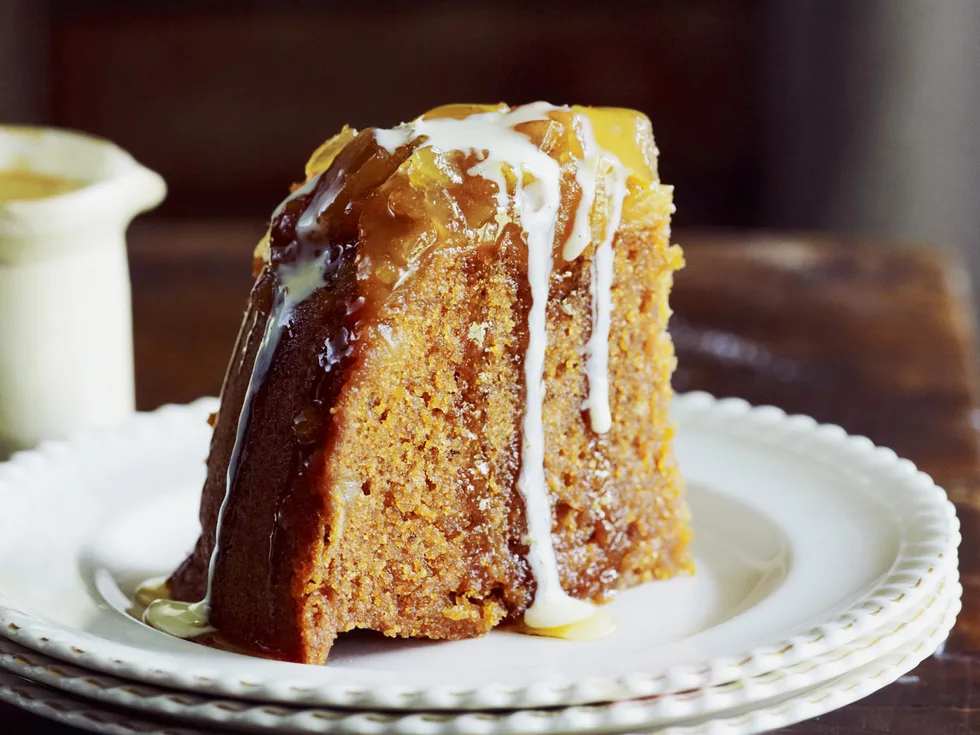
{"points": [[397, 206]]}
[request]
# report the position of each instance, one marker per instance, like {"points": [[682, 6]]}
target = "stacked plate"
{"points": [[827, 569]]}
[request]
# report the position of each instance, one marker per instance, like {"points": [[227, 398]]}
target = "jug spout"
{"points": [[138, 190]]}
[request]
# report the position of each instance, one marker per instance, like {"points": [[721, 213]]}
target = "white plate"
{"points": [[783, 711], [807, 539], [617, 716]]}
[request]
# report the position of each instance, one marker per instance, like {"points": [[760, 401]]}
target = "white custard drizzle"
{"points": [[597, 349], [536, 203], [587, 178], [308, 186]]}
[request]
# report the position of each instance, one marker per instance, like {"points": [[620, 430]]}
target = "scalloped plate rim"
{"points": [[893, 593], [653, 712], [788, 710]]}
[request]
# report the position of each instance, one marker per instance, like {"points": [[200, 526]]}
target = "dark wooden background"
{"points": [[227, 99]]}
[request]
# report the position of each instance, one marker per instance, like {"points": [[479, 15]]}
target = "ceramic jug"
{"points": [[66, 351]]}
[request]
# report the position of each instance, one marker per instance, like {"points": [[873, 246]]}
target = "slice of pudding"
{"points": [[448, 403]]}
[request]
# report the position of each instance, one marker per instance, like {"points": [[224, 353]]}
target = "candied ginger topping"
{"points": [[459, 174]]}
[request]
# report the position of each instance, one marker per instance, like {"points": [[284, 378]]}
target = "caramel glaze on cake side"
{"points": [[367, 458]]}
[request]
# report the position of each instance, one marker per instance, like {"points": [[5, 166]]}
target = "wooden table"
{"points": [[877, 339]]}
